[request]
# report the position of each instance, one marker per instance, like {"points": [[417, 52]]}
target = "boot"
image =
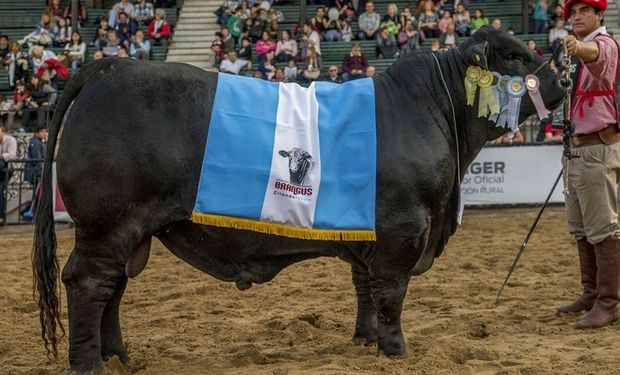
{"points": [[605, 310], [587, 264]]}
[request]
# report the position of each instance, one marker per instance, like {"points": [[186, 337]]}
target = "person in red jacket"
{"points": [[354, 64], [159, 29]]}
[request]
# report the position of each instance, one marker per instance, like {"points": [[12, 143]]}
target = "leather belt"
{"points": [[608, 136]]}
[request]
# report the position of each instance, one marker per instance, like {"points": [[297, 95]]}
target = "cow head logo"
{"points": [[299, 164]]}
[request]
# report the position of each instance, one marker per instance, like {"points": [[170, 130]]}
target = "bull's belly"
{"points": [[243, 257]]}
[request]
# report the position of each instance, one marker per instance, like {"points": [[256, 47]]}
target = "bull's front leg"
{"points": [[366, 323], [388, 295]]}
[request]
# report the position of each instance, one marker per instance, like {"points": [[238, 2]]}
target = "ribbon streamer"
{"points": [[532, 84], [516, 89]]}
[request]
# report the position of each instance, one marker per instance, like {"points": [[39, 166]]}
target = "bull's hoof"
{"points": [[243, 284], [392, 356], [391, 342], [366, 340]]}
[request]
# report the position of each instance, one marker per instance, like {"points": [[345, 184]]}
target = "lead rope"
{"points": [[569, 127]]}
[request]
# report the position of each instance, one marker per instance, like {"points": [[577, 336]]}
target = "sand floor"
{"points": [[177, 320]]}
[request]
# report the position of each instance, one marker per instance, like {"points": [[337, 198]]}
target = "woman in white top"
{"points": [[286, 48], [76, 50]]}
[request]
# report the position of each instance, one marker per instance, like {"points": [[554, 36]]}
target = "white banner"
{"points": [[513, 175]]}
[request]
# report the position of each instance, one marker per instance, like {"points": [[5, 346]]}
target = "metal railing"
{"points": [[17, 192]]}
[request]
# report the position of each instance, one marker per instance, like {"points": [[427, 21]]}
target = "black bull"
{"points": [[129, 163]]}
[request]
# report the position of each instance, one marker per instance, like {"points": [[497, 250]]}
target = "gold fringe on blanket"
{"points": [[283, 230]]}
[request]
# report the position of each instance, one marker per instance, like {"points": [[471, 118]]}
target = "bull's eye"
{"points": [[514, 56]]}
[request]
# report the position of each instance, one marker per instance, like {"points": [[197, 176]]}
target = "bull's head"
{"points": [[299, 164], [501, 52]]}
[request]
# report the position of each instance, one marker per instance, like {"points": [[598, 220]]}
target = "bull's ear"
{"points": [[283, 153], [477, 55]]}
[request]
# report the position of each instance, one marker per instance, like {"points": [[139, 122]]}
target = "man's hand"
{"points": [[572, 45]]}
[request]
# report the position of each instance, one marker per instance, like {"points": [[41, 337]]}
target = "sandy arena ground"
{"points": [[177, 320]]}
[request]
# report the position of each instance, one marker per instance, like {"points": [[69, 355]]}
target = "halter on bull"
{"points": [[424, 143]]}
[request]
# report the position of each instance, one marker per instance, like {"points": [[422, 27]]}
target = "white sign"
{"points": [[513, 175]]}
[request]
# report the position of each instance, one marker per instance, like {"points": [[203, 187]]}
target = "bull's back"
{"points": [[134, 140]]}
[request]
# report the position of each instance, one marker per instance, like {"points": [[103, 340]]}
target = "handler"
{"points": [[592, 177]]}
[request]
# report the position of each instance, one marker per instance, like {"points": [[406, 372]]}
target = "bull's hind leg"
{"points": [[388, 295], [366, 323], [111, 338], [93, 278]]}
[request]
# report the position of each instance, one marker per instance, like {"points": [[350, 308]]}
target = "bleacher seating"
{"points": [[19, 17]]}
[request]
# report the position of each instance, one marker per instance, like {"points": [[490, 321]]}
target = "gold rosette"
{"points": [[472, 76], [487, 105]]}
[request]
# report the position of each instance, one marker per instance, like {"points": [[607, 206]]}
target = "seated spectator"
{"points": [[111, 45], [435, 45], [139, 48], [44, 63], [320, 18], [82, 15], [332, 75], [143, 12], [272, 24], [555, 15], [227, 40], [478, 20], [43, 35], [354, 64], [16, 105], [232, 64], [345, 31], [101, 34], [42, 96], [515, 137], [408, 39], [4, 47], [429, 21], [245, 10], [122, 52], [553, 135], [404, 17], [33, 170], [331, 29], [245, 51], [368, 22], [286, 48], [98, 55], [218, 48], [391, 20], [557, 34], [125, 29], [371, 71], [159, 29], [263, 46], [449, 39], [496, 24], [230, 4], [532, 45], [255, 33], [462, 20], [268, 68], [279, 76], [540, 16], [444, 21], [123, 6], [62, 33], [345, 9], [290, 71], [55, 10], [16, 63], [387, 46], [76, 51], [314, 39], [313, 65]]}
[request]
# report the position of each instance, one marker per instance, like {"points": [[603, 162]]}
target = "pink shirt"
{"points": [[594, 105]]}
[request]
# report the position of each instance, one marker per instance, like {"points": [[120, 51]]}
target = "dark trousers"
{"points": [[41, 114], [4, 177]]}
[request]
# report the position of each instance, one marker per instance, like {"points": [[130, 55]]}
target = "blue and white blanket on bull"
{"points": [[291, 161]]}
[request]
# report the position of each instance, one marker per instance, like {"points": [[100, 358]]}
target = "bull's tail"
{"points": [[45, 268]]}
